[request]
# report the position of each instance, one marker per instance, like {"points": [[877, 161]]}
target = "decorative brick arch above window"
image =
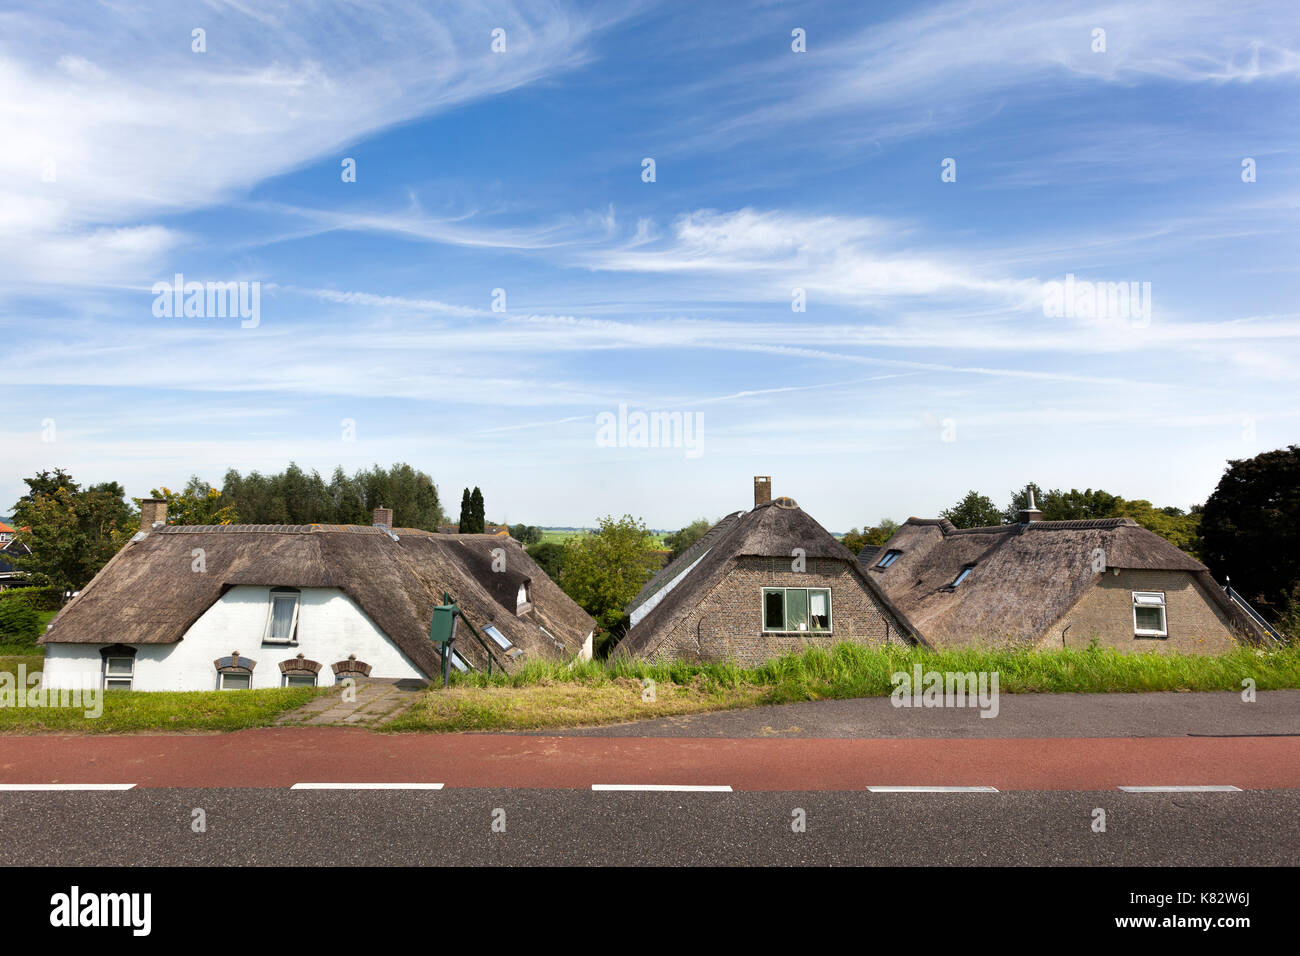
{"points": [[299, 665], [235, 663], [351, 668], [234, 672]]}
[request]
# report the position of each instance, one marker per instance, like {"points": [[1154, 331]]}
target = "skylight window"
{"points": [[962, 576], [501, 640], [889, 558]]}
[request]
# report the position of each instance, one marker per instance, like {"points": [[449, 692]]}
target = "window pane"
{"points": [[458, 662], [819, 609], [1150, 618], [235, 681], [796, 609], [119, 667], [282, 618], [774, 610], [118, 684], [497, 636], [300, 680]]}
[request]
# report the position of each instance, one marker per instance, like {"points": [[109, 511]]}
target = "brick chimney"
{"points": [[762, 490], [1030, 513], [383, 517], [152, 511]]}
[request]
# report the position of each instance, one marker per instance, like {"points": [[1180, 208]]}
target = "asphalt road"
{"points": [[254, 827], [1019, 715]]}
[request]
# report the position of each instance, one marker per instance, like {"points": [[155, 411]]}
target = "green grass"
{"points": [[127, 711], [544, 694]]}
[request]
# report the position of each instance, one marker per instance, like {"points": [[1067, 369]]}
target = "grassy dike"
{"points": [[544, 695]]}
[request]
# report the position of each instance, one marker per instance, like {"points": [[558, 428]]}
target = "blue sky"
{"points": [[924, 364]]}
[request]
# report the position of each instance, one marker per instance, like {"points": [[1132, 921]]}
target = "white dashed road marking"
{"points": [[933, 789], [366, 786], [1213, 788], [66, 786], [675, 787]]}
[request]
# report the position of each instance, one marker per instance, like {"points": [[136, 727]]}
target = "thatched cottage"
{"points": [[238, 606], [760, 583], [1055, 584]]}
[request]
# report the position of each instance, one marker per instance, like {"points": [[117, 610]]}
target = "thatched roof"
{"points": [[770, 530], [1025, 577], [148, 593], [683, 561]]}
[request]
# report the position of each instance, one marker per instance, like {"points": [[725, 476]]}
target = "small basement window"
{"points": [[1149, 614], [888, 558], [299, 680], [282, 617], [118, 673], [231, 680]]}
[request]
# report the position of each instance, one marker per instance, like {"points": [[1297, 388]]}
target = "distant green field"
{"points": [[561, 535]]}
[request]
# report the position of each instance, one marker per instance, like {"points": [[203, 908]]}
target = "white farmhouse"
{"points": [[249, 606]]}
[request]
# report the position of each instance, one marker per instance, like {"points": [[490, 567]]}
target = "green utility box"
{"points": [[444, 623]]}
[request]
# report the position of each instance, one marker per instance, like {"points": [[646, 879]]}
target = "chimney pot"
{"points": [[383, 517], [153, 511], [762, 490], [1030, 513]]}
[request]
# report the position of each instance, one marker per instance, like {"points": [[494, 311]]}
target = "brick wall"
{"points": [[728, 623], [1195, 624]]}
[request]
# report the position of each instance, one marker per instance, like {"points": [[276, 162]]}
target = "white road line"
{"points": [[366, 786], [674, 787], [933, 789], [1212, 788], [66, 786]]}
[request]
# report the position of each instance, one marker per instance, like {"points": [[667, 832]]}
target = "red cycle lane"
{"points": [[282, 757]]}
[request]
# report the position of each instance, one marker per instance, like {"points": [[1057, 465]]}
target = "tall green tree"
{"points": [[873, 535], [604, 570], [477, 515], [466, 523], [297, 497], [198, 503], [72, 531], [1251, 528], [680, 540], [973, 511], [549, 556]]}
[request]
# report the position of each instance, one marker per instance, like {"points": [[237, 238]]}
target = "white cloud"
{"points": [[109, 118]]}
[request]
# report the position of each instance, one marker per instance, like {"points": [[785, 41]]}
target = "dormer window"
{"points": [[888, 558], [524, 599], [282, 617]]}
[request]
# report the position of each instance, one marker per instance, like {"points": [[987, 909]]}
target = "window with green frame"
{"points": [[797, 609]]}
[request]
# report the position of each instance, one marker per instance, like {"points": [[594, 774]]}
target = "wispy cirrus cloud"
{"points": [[110, 117]]}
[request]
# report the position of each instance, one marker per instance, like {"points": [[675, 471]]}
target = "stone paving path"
{"points": [[372, 702]]}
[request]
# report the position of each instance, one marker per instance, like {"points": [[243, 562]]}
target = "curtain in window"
{"points": [[819, 610], [282, 618]]}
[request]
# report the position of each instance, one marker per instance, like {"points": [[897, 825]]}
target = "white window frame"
{"points": [[129, 678], [896, 552], [1151, 599], [221, 680], [281, 593], [785, 614], [304, 674], [499, 639]]}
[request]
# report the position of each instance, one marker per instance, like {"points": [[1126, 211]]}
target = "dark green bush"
{"points": [[20, 623]]}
